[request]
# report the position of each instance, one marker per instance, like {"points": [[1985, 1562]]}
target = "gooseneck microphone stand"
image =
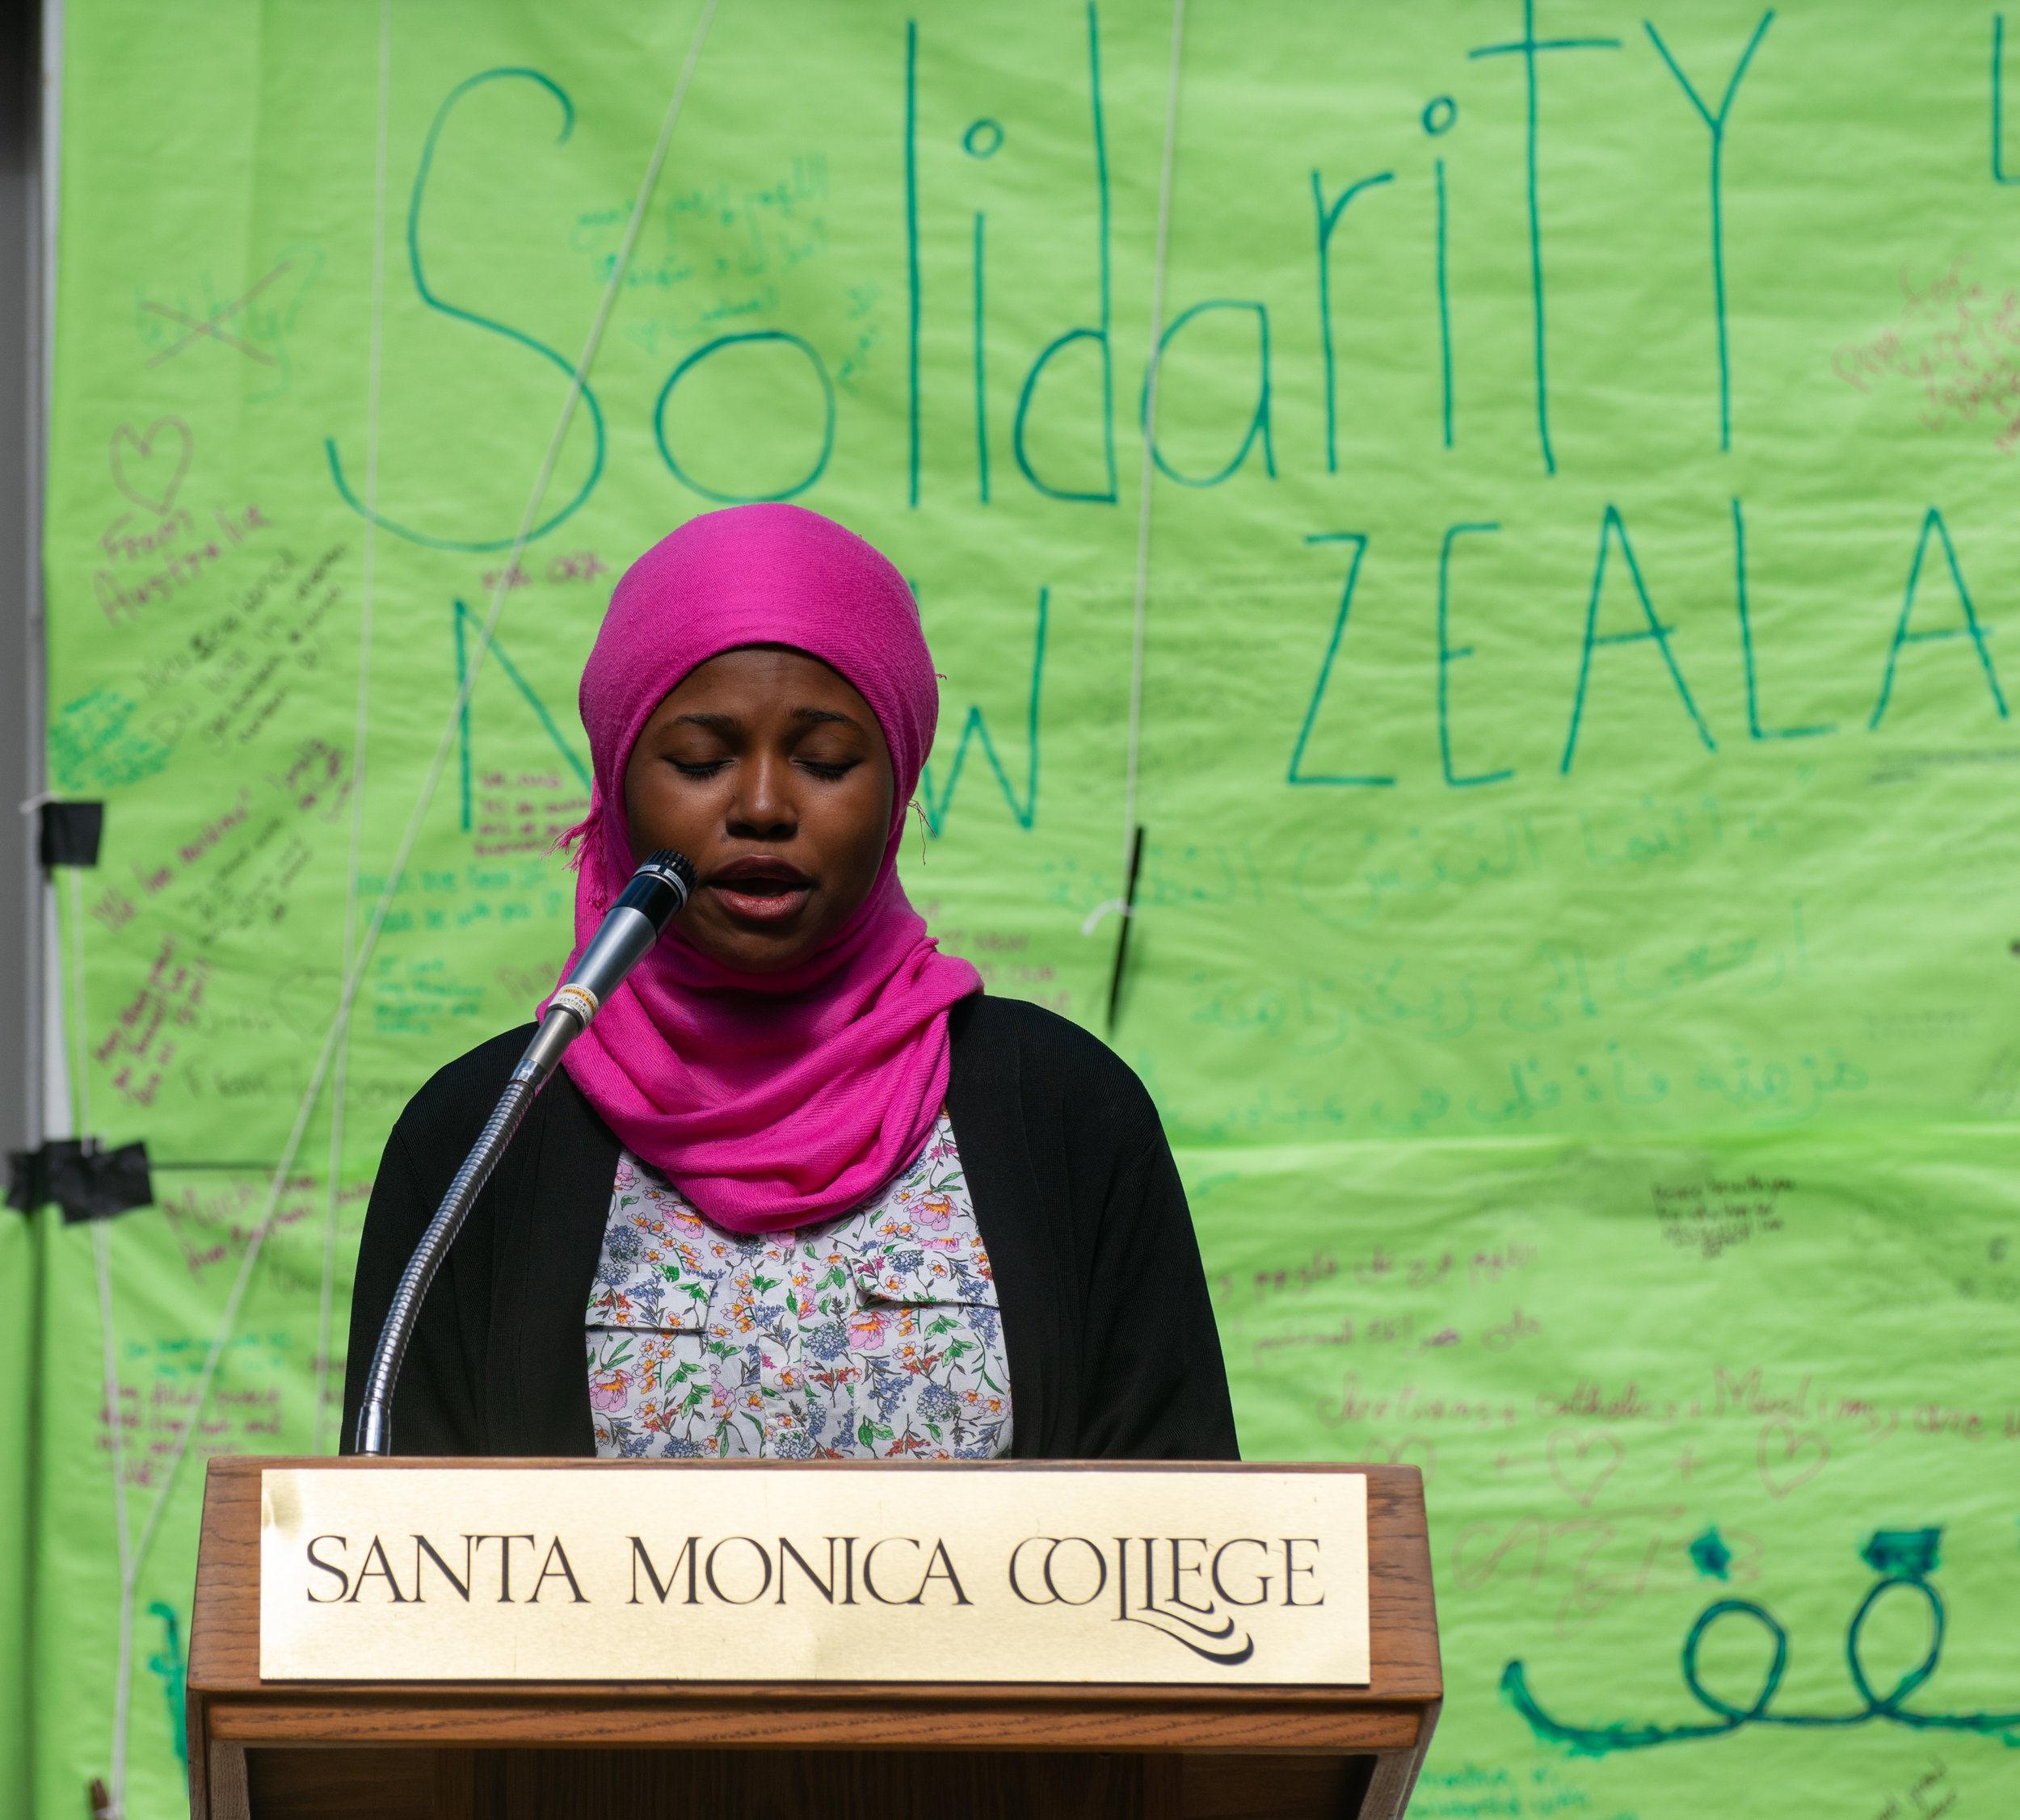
{"points": [[635, 923]]}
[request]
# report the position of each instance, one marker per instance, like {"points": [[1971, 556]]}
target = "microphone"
{"points": [[637, 919]]}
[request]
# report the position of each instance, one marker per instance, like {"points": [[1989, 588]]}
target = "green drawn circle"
{"points": [[715, 347]]}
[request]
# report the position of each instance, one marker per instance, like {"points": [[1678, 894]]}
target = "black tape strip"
{"points": [[86, 1181]]}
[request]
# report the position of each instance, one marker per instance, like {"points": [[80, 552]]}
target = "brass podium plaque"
{"points": [[909, 1573]]}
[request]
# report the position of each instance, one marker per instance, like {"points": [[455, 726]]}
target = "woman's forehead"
{"points": [[765, 683]]}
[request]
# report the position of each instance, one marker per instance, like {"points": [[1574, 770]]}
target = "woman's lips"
{"points": [[775, 907], [760, 892]]}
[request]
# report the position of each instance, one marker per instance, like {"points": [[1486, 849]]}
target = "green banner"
{"points": [[1571, 727]]}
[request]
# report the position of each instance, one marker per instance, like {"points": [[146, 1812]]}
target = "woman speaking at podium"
{"points": [[801, 1190]]}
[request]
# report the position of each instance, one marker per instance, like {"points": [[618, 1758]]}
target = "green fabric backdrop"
{"points": [[1574, 963]]}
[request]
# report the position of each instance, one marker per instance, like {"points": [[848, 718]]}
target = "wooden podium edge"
{"points": [[230, 1708]]}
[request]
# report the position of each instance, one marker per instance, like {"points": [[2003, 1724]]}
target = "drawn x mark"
{"points": [[213, 326]]}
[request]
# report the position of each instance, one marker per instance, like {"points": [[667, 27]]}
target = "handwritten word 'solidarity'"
{"points": [[1075, 376]]}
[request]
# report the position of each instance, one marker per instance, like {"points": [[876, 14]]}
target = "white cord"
{"points": [[1150, 466], [263, 1225], [80, 1040], [102, 1268], [115, 1427], [341, 1080]]}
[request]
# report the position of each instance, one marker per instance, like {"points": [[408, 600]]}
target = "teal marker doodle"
{"points": [[169, 1666], [1933, 524], [1297, 774], [491, 326], [1715, 124], [1527, 47], [462, 615], [1746, 646], [1449, 654], [1998, 101], [1107, 495], [1710, 1556], [1903, 1558], [1612, 526], [976, 726], [1329, 214], [1258, 422], [981, 371], [754, 337], [982, 139]]}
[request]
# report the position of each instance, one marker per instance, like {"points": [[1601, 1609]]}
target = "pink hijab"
{"points": [[773, 1100]]}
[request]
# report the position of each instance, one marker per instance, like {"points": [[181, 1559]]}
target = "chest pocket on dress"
{"points": [[917, 1271], [927, 1334]]}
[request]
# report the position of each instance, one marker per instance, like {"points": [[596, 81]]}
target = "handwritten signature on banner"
{"points": [[148, 467], [157, 1401], [1710, 1215], [255, 324], [1931, 1793], [1903, 1558], [1956, 341]]}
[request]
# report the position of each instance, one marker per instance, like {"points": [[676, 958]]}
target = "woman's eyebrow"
{"points": [[821, 715], [715, 723]]}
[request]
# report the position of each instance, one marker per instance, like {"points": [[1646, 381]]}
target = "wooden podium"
{"points": [[808, 1750]]}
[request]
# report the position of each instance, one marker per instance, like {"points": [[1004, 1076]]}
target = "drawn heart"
{"points": [[1800, 1458], [149, 468], [1581, 1464]]}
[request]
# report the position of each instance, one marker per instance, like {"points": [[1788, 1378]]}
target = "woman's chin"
{"points": [[768, 944]]}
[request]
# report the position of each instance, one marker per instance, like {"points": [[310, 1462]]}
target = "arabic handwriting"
{"points": [[1348, 893], [1654, 830], [1560, 981], [1430, 1106], [1781, 1095], [1902, 1559], [1533, 1095], [1541, 1012], [1382, 1006]]}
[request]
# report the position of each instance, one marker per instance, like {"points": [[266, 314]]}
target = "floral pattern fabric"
{"points": [[874, 1335]]}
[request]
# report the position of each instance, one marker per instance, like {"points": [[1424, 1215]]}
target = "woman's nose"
{"points": [[764, 808]]}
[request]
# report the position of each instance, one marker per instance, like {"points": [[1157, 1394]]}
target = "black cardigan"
{"points": [[1112, 1350]]}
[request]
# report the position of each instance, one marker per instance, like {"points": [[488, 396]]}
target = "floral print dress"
{"points": [[873, 1335]]}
